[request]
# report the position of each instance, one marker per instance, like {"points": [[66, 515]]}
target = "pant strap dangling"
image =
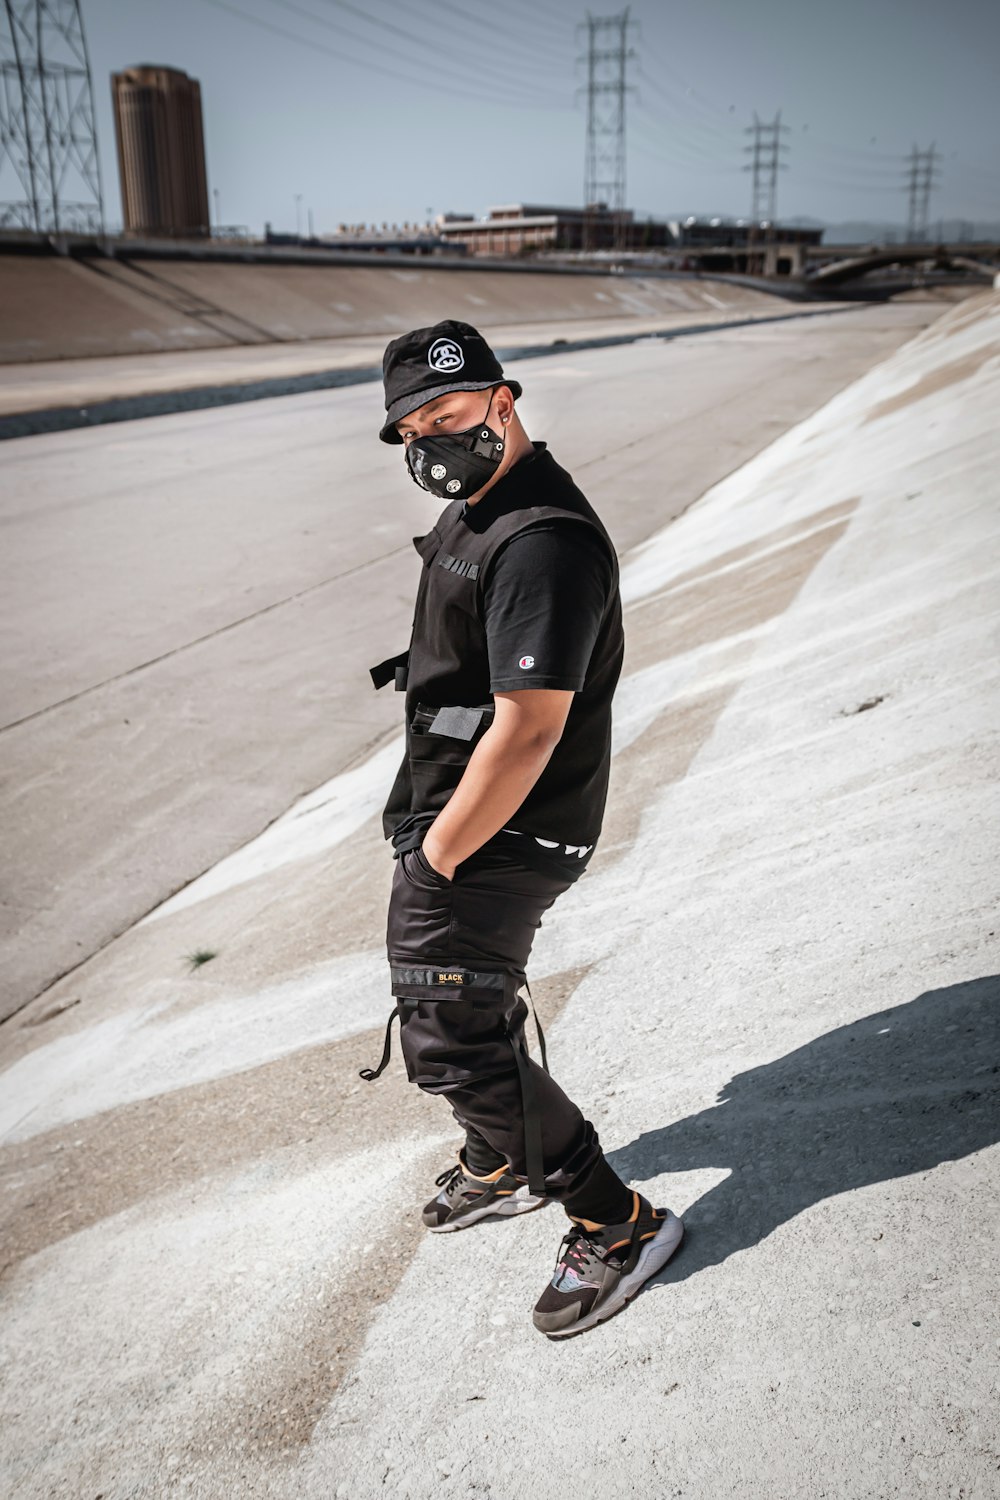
{"points": [[370, 1074], [533, 1155], [538, 1028]]}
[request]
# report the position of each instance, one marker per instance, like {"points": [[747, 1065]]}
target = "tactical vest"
{"points": [[446, 672]]}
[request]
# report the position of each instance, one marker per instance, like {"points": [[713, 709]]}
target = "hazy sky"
{"points": [[382, 109]]}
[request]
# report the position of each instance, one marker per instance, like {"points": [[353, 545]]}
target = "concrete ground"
{"points": [[192, 601], [45, 384], [776, 992]]}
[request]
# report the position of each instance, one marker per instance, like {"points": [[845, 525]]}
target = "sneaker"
{"points": [[599, 1270], [463, 1198]]}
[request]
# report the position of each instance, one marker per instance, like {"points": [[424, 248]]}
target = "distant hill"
{"points": [[864, 232]]}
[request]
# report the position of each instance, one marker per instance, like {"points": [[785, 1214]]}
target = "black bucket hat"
{"points": [[431, 362]]}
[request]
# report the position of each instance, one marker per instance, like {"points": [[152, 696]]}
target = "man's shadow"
{"points": [[897, 1092]]}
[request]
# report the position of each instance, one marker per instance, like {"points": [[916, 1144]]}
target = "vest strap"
{"points": [[394, 668]]}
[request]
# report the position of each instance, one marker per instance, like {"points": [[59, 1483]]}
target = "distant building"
{"points": [[381, 239], [161, 151], [742, 245], [684, 244], [371, 239], [525, 228]]}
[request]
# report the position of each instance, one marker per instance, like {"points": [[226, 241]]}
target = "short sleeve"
{"points": [[544, 600]]}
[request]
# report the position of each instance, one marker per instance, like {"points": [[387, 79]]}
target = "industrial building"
{"points": [[161, 151], [528, 228], [743, 245], [371, 239], [690, 244]]}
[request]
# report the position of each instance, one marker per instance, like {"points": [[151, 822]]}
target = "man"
{"points": [[514, 656]]}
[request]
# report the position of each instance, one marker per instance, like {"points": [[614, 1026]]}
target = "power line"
{"points": [[709, 106], [868, 153], [709, 144], [432, 44], [836, 186], [516, 96], [829, 159], [678, 112], [536, 16], [646, 147], [410, 78], [684, 145], [674, 150], [607, 57]]}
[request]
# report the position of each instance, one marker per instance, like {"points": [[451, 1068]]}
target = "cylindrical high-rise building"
{"points": [[161, 151]]}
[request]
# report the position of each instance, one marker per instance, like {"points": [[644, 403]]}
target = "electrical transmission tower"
{"points": [[765, 165], [608, 54], [918, 181], [50, 178]]}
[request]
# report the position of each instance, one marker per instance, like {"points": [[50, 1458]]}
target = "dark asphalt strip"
{"points": [[162, 403]]}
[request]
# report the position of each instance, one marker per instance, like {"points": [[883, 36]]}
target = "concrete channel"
{"points": [[776, 991]]}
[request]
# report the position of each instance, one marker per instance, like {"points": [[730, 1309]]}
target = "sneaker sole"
{"points": [[652, 1259], [502, 1208]]}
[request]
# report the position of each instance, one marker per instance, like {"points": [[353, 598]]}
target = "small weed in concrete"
{"points": [[199, 956]]}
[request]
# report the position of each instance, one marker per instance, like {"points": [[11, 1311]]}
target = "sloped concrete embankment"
{"points": [[789, 1023], [775, 993], [60, 308]]}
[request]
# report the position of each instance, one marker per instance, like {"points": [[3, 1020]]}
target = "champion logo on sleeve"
{"points": [[526, 662]]}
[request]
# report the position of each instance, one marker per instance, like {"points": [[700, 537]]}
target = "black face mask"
{"points": [[456, 465]]}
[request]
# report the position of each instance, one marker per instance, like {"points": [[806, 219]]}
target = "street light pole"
{"points": [[298, 216]]}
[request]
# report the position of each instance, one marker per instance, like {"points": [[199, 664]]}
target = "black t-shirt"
{"points": [[544, 599]]}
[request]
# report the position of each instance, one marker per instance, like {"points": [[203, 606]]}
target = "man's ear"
{"points": [[505, 404]]}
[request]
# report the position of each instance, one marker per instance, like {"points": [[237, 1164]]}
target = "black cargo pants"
{"points": [[458, 950]]}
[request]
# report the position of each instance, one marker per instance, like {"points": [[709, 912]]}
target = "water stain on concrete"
{"points": [[705, 609], [70, 1178], [766, 542], [971, 311], [332, 903], [306, 1367], [698, 609], [661, 755], [937, 379], [303, 1110]]}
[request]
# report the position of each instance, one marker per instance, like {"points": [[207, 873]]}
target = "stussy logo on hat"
{"points": [[445, 355]]}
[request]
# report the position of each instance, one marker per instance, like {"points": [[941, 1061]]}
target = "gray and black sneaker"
{"points": [[463, 1198], [599, 1270]]}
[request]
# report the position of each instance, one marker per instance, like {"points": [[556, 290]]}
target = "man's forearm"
{"points": [[500, 774]]}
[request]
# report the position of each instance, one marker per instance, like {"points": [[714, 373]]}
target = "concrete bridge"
{"points": [[848, 268]]}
